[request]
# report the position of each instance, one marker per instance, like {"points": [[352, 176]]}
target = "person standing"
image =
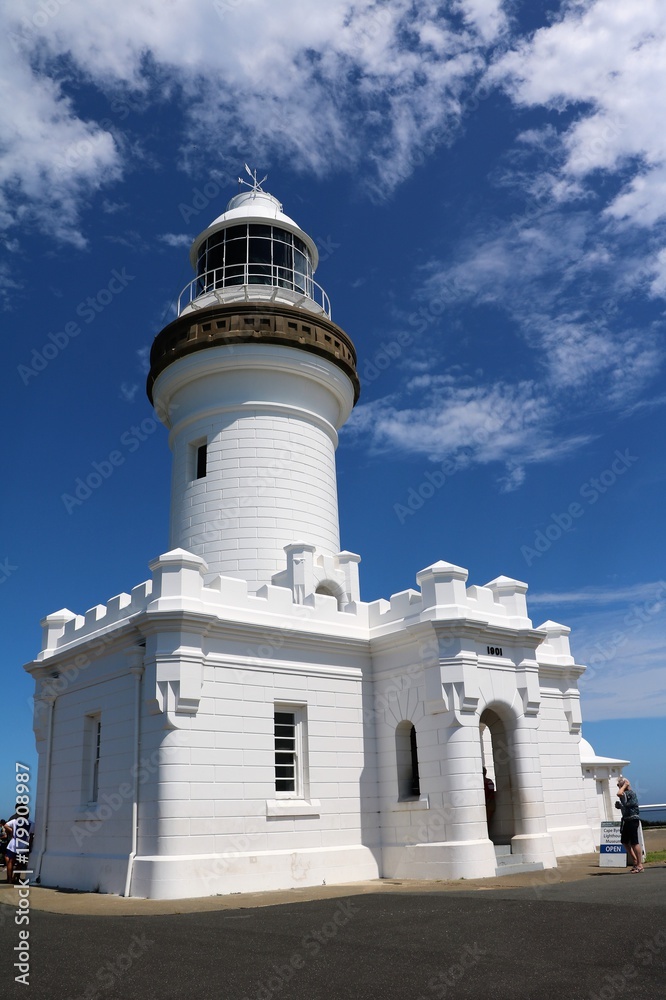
{"points": [[20, 830], [628, 803], [489, 792]]}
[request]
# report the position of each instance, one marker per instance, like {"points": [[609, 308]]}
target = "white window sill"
{"points": [[404, 805], [293, 807]]}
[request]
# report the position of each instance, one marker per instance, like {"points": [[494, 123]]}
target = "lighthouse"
{"points": [[242, 720], [254, 380]]}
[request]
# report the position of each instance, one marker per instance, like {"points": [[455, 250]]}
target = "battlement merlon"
{"points": [[444, 595]]}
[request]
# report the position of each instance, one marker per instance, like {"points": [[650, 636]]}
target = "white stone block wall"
{"points": [[269, 415], [86, 844], [209, 806], [564, 793], [270, 480]]}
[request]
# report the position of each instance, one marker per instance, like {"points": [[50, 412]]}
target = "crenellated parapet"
{"points": [[178, 585], [62, 629], [444, 595]]}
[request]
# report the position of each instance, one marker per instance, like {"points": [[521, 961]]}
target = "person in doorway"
{"points": [[628, 803], [489, 792]]}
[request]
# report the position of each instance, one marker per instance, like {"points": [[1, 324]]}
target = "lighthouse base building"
{"points": [[242, 720]]}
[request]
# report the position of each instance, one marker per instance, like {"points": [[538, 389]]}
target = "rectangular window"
{"points": [[97, 745], [92, 748], [198, 459], [202, 456], [290, 752]]}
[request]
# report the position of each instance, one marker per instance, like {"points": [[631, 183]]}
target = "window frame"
{"points": [[407, 762], [194, 460], [92, 757], [299, 752]]}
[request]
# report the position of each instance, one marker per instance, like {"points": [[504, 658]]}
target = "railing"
{"points": [[267, 275]]}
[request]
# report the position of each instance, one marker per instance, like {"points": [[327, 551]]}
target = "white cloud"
{"points": [[359, 81], [604, 58], [52, 160], [486, 16]]}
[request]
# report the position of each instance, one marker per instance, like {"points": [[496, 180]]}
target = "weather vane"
{"points": [[255, 185]]}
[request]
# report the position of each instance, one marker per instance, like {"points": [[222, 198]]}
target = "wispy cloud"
{"points": [[604, 596], [445, 416], [619, 634], [176, 239]]}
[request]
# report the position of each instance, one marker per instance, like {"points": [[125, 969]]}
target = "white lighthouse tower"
{"points": [[242, 720], [253, 381]]}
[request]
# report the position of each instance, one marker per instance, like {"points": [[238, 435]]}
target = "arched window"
{"points": [[407, 761]]}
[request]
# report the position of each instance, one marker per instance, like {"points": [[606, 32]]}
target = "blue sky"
{"points": [[486, 183]]}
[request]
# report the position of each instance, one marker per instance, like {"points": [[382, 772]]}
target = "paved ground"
{"points": [[580, 933]]}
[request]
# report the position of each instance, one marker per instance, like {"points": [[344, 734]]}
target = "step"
{"points": [[513, 864], [519, 869]]}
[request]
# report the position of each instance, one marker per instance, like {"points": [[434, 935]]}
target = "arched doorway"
{"points": [[497, 759]]}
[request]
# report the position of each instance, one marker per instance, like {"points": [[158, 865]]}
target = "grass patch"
{"points": [[655, 856]]}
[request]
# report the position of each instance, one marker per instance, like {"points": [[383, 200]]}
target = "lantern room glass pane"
{"points": [[259, 259], [301, 271], [215, 256], [235, 261]]}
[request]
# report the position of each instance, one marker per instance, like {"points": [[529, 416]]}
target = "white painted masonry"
{"points": [[393, 707]]}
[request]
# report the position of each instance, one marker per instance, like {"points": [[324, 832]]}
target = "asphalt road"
{"points": [[597, 939]]}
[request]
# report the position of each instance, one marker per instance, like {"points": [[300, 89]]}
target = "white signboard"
{"points": [[611, 852]]}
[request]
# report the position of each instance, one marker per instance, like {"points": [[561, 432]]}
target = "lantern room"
{"points": [[253, 250]]}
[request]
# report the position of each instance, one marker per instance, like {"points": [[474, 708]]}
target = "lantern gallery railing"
{"points": [[271, 275]]}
